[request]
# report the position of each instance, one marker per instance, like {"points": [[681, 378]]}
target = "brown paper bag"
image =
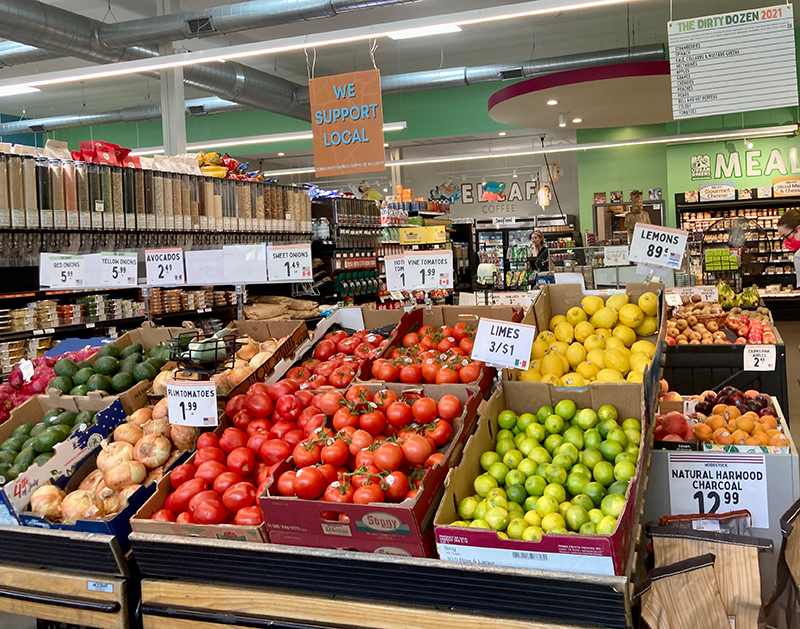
{"points": [[783, 609]]}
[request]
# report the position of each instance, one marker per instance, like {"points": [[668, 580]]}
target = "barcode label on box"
{"points": [[562, 561], [100, 586], [516, 554]]}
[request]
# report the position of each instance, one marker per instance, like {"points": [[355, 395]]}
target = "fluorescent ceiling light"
{"points": [[281, 154], [575, 148], [16, 90], [552, 101], [304, 42], [501, 134], [577, 120], [425, 31]]}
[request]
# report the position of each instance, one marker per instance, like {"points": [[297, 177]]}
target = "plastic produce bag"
{"points": [[783, 609]]}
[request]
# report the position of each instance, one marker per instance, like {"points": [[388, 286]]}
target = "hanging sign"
{"points": [[395, 273], [192, 403], [733, 62], [429, 270], [759, 358], [615, 256], [347, 123], [244, 264], [164, 267], [61, 271], [289, 263], [503, 344], [717, 483], [119, 269], [656, 246]]}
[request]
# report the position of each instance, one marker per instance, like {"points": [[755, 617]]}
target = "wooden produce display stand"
{"points": [[39, 577]]}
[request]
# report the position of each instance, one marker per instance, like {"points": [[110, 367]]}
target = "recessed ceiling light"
{"points": [[552, 102], [281, 154], [501, 134], [386, 189], [562, 120], [577, 120]]}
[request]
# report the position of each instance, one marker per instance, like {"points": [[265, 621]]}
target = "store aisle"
{"points": [[790, 331], [10, 621]]}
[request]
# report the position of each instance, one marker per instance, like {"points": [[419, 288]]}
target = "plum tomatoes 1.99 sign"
{"points": [[503, 344], [192, 403], [656, 246]]}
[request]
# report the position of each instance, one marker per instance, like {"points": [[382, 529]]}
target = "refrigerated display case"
{"points": [[609, 219], [491, 250]]}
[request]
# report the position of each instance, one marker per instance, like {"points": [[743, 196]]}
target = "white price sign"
{"points": [[395, 273], [119, 269], [719, 482], [673, 299], [759, 358], [61, 271], [706, 293], [656, 246], [615, 256], [26, 367], [429, 270], [164, 267], [289, 263], [499, 221], [503, 344], [192, 403]]}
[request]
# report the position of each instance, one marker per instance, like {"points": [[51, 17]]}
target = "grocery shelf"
{"points": [[66, 329], [192, 313]]}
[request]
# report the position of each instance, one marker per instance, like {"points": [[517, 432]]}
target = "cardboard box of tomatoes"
{"points": [[403, 527]]}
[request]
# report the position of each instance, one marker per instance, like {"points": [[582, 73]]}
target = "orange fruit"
{"points": [[752, 415], [769, 421], [759, 427], [745, 423], [719, 409], [703, 432], [761, 437], [731, 412], [739, 437], [731, 425], [752, 441], [715, 422], [779, 440], [721, 435], [773, 432]]}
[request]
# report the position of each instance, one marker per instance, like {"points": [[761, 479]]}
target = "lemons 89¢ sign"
{"points": [[656, 246], [503, 344]]}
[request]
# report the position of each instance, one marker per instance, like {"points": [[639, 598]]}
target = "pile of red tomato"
{"points": [[431, 355]]}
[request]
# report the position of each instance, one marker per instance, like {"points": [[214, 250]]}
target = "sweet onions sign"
{"points": [[347, 120]]}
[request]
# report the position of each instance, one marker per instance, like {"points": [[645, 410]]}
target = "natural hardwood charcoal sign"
{"points": [[347, 120]]}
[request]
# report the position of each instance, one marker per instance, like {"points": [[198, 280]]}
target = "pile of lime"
{"points": [[32, 444], [560, 470], [113, 371]]}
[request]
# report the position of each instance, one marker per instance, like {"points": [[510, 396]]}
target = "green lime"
{"points": [[498, 471], [595, 515], [459, 523], [505, 445], [592, 438], [519, 438], [584, 501], [556, 491], [532, 518], [516, 431], [516, 528], [634, 437], [479, 524], [466, 508], [554, 425], [618, 435], [576, 482], [553, 521], [634, 450], [535, 485], [483, 484], [496, 492], [489, 457], [552, 442], [632, 424], [517, 493], [512, 458], [566, 409], [546, 505], [527, 467], [574, 435], [481, 508], [596, 492], [580, 468], [525, 420], [625, 456], [603, 473], [541, 470], [515, 510], [543, 413], [505, 434], [569, 450], [527, 445], [530, 502], [540, 455], [536, 431], [562, 460], [607, 412], [575, 517], [533, 534], [507, 419], [515, 477], [606, 426], [607, 524], [610, 450], [557, 474], [591, 457], [587, 419], [564, 507], [624, 471], [618, 487], [589, 528], [498, 519], [497, 501]]}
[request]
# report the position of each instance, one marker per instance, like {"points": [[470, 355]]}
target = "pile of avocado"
{"points": [[114, 371], [31, 444]]}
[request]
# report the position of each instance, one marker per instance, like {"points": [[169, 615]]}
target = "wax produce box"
{"points": [[403, 528], [593, 554]]}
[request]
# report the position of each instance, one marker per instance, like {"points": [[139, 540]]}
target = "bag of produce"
{"points": [[783, 609]]}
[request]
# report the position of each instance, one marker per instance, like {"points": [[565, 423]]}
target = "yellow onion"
{"points": [[141, 416], [160, 383], [259, 358], [90, 483], [238, 374], [128, 432], [157, 427], [152, 451], [46, 502], [248, 350], [81, 505], [223, 383], [161, 409], [183, 436], [126, 493], [125, 474], [111, 503], [103, 492], [112, 454]]}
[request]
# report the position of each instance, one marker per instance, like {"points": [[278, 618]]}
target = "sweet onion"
{"points": [[161, 409], [128, 432], [157, 427], [183, 436], [125, 474], [141, 416], [81, 505], [113, 454], [126, 493], [90, 483], [46, 502], [152, 451]]}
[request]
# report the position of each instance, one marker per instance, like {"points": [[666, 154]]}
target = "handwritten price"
{"points": [[496, 347]]}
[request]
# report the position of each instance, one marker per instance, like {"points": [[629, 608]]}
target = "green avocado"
{"points": [[7, 457], [106, 365], [23, 430], [85, 417], [122, 382], [99, 382], [46, 441], [14, 471], [53, 412], [26, 456], [79, 390], [43, 458], [108, 350], [13, 444], [83, 375], [133, 348], [62, 383], [84, 364], [144, 371], [65, 367], [38, 429], [67, 417]]}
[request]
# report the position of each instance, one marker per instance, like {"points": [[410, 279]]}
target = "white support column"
{"points": [[173, 114], [395, 154]]}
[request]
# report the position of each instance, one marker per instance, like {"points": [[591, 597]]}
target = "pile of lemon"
{"points": [[596, 342]]}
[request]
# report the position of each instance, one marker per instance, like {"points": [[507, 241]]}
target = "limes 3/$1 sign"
{"points": [[503, 344]]}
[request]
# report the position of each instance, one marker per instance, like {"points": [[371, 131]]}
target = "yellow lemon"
{"points": [[588, 370], [635, 376], [638, 361], [609, 375], [551, 379], [604, 333], [555, 321], [625, 334], [530, 375], [546, 335], [573, 380], [539, 349], [535, 364], [594, 342], [583, 331], [552, 365], [617, 301], [649, 327], [575, 315], [604, 318], [559, 347], [591, 304], [614, 343], [625, 351], [616, 360], [564, 362], [576, 354], [596, 356], [565, 332], [631, 315], [648, 302], [645, 347]]}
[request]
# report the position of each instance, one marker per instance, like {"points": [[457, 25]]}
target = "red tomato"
{"points": [[427, 343], [242, 419], [388, 372], [441, 433], [235, 404], [330, 402], [305, 398], [225, 480], [399, 414], [249, 516], [203, 496], [207, 440], [309, 483], [305, 455], [231, 439], [208, 454], [335, 452], [313, 424], [181, 474], [449, 407], [264, 475], [373, 339], [396, 486], [363, 458], [411, 494], [281, 428], [434, 459], [424, 410], [342, 377], [411, 339], [210, 470], [328, 472], [325, 349], [373, 422], [336, 336], [446, 330], [325, 369], [469, 373], [339, 492], [360, 396], [185, 518], [311, 364], [287, 407], [258, 387], [298, 373], [365, 476], [260, 405], [361, 439], [256, 440], [293, 437], [447, 376], [429, 369], [316, 382], [388, 456], [416, 449], [348, 345], [363, 351], [376, 366], [410, 374], [210, 512], [286, 483], [284, 387], [239, 496], [446, 344], [367, 494], [384, 398], [460, 330], [306, 415], [344, 417], [165, 515], [258, 425], [242, 461], [425, 330], [466, 345]]}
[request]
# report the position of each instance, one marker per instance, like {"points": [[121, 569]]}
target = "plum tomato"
{"points": [[225, 480], [249, 516], [235, 404], [239, 496], [164, 515], [242, 461], [187, 491], [260, 405], [243, 419], [210, 512], [231, 439], [275, 451], [255, 441], [258, 425], [279, 429], [207, 440], [277, 389], [210, 470], [181, 474], [209, 453], [184, 518]]}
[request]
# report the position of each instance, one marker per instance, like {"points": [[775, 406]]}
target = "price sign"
{"points": [[119, 269], [759, 358], [615, 256], [503, 344], [707, 293], [289, 263], [429, 270], [716, 483], [192, 403], [656, 246], [26, 367], [61, 271], [395, 273], [673, 299], [164, 267]]}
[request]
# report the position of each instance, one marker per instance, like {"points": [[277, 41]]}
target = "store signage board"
{"points": [[289, 263], [499, 221], [347, 123], [395, 273], [61, 271], [570, 278], [655, 246], [706, 293], [615, 256], [164, 267], [192, 403], [245, 264], [429, 270], [119, 269], [759, 358], [719, 482], [733, 62], [503, 344]]}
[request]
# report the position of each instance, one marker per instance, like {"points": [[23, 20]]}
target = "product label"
{"points": [[289, 263], [429, 270], [119, 269], [100, 586], [395, 273], [503, 344], [192, 403], [656, 246], [26, 367]]}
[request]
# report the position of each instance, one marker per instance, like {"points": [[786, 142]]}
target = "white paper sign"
{"points": [[119, 269], [245, 263], [289, 263], [656, 246], [192, 403], [615, 256], [719, 482], [673, 300], [504, 220], [26, 367], [759, 358], [707, 293], [429, 270], [395, 273], [570, 278], [61, 271], [205, 267], [164, 267], [503, 344]]}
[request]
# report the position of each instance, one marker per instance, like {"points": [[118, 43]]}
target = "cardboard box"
{"points": [[397, 529], [69, 454], [594, 554]]}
